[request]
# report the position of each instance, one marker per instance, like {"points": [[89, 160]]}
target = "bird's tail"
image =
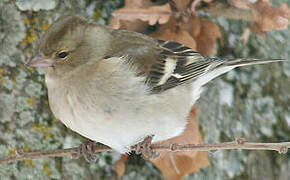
{"points": [[218, 67], [249, 61]]}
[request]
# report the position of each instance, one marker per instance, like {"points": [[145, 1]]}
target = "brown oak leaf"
{"points": [[285, 10], [269, 18], [152, 15], [241, 4], [179, 35], [172, 31], [136, 25], [194, 4], [181, 4], [120, 166], [205, 34]]}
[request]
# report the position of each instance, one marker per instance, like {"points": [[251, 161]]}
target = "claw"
{"points": [[86, 150], [145, 148]]}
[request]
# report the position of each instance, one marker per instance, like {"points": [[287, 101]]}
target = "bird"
{"points": [[122, 88]]}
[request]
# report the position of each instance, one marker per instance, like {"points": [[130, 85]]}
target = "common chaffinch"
{"points": [[118, 87]]}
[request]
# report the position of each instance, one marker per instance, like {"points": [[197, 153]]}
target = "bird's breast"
{"points": [[121, 114]]}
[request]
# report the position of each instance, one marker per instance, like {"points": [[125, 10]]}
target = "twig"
{"points": [[238, 144], [20, 155], [73, 152]]}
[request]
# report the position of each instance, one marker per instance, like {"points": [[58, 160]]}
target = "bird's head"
{"points": [[69, 42]]}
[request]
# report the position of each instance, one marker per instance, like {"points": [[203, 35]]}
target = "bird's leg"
{"points": [[86, 150], [145, 148]]}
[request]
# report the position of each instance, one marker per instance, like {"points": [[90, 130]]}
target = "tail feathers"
{"points": [[221, 66], [249, 61]]}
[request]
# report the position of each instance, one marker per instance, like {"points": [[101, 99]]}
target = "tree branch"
{"points": [[20, 155], [240, 143]]}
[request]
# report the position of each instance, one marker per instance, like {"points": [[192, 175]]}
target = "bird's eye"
{"points": [[62, 54]]}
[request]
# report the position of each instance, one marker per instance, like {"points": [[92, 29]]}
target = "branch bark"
{"points": [[240, 143]]}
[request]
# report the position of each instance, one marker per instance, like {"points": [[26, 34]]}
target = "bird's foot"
{"points": [[86, 150], [145, 148]]}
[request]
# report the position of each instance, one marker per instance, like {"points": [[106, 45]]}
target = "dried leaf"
{"points": [[119, 166], [194, 4], [181, 4], [178, 35], [175, 165], [115, 23], [241, 4], [136, 3], [137, 25], [152, 15], [205, 34], [285, 10], [199, 34], [269, 18], [172, 31], [256, 29], [196, 27]]}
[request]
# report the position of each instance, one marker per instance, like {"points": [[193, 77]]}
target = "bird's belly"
{"points": [[120, 134], [123, 127]]}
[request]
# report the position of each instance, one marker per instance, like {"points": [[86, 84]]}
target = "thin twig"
{"points": [[239, 144], [20, 155], [74, 152]]}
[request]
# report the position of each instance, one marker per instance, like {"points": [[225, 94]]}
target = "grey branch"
{"points": [[240, 143]]}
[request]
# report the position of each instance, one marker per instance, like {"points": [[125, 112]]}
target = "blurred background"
{"points": [[250, 102]]}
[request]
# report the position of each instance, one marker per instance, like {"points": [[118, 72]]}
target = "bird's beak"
{"points": [[40, 61]]}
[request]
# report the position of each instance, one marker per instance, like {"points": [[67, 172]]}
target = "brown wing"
{"points": [[165, 63], [176, 64]]}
